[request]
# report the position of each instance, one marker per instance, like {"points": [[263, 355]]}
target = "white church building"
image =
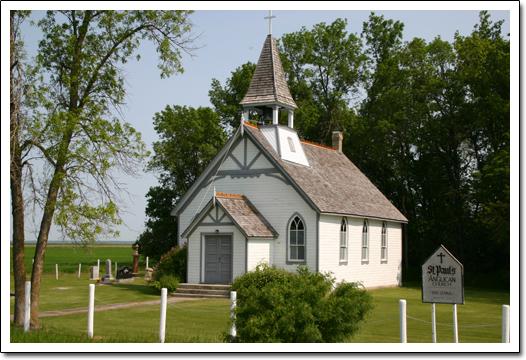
{"points": [[269, 196]]}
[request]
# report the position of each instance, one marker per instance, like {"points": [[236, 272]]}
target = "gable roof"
{"points": [[332, 182], [268, 83], [241, 212]]}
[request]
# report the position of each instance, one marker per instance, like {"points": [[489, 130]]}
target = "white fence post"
{"points": [[505, 323], [91, 305], [79, 271], [233, 300], [455, 324], [403, 320], [147, 262], [162, 323], [27, 306], [56, 271], [433, 323]]}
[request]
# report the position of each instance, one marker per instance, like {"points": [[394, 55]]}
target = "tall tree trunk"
{"points": [[17, 200], [43, 235], [19, 267]]}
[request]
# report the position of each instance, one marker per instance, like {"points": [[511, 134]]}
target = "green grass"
{"points": [[482, 307], [69, 257], [78, 291]]}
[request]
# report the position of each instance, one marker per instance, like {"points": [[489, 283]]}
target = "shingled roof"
{"points": [[268, 83], [241, 212], [333, 183]]}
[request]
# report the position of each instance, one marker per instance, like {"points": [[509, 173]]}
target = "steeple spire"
{"points": [[268, 91]]}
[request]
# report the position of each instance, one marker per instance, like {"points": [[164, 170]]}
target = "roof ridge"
{"points": [[316, 144], [231, 195], [249, 124]]}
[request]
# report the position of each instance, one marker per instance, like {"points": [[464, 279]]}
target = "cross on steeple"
{"points": [[270, 17]]}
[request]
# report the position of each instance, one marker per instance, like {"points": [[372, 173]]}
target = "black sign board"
{"points": [[124, 273]]}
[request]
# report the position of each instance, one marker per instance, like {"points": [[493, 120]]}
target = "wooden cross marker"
{"points": [[270, 17]]}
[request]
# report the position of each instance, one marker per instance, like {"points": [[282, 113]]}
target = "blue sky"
{"points": [[232, 37]]}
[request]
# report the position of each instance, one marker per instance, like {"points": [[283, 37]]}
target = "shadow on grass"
{"points": [[143, 289]]}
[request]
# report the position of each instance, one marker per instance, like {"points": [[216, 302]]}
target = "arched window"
{"points": [[384, 241], [365, 241], [343, 239], [296, 240]]}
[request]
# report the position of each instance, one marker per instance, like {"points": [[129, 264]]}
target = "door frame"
{"points": [[203, 253]]}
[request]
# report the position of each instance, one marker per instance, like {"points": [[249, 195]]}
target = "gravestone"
{"points": [[135, 266], [94, 272], [148, 273], [108, 270], [124, 274]]}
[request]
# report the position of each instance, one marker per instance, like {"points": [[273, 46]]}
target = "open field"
{"points": [[205, 320], [69, 257]]}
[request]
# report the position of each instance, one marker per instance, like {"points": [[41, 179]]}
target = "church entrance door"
{"points": [[218, 259]]}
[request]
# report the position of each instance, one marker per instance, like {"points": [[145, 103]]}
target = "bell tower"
{"points": [[268, 93]]}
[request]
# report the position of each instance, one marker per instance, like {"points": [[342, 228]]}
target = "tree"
{"points": [[189, 140], [226, 100], [77, 136], [324, 69], [17, 122]]}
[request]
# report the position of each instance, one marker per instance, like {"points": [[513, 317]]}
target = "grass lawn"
{"points": [[482, 307], [204, 324]]}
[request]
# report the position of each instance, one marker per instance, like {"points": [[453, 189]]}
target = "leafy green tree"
{"points": [[226, 100], [324, 69], [77, 135], [189, 140]]}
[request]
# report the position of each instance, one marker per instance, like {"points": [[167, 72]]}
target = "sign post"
{"points": [[443, 283]]}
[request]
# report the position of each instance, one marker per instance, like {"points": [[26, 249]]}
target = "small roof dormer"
{"points": [[268, 92]]}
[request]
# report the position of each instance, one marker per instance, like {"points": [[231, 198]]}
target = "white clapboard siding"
{"points": [[372, 273], [259, 251]]}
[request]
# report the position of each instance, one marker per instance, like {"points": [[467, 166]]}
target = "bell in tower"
{"points": [[266, 118]]}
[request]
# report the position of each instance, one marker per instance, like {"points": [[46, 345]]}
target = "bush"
{"points": [[274, 305], [168, 281], [170, 270]]}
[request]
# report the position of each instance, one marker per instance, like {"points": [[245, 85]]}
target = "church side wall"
{"points": [[372, 273]]}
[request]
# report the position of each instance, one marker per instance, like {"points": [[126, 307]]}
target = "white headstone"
{"points": [[108, 270], [94, 272]]}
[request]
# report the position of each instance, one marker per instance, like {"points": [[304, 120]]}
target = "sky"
{"points": [[230, 38]]}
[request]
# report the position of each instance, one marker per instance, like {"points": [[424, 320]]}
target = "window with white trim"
{"points": [[297, 240], [384, 241], [343, 240], [365, 241]]}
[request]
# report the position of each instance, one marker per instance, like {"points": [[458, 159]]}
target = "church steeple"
{"points": [[268, 92]]}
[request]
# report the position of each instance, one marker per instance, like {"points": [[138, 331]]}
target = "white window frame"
{"points": [[343, 240], [384, 243], [296, 219], [365, 240]]}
